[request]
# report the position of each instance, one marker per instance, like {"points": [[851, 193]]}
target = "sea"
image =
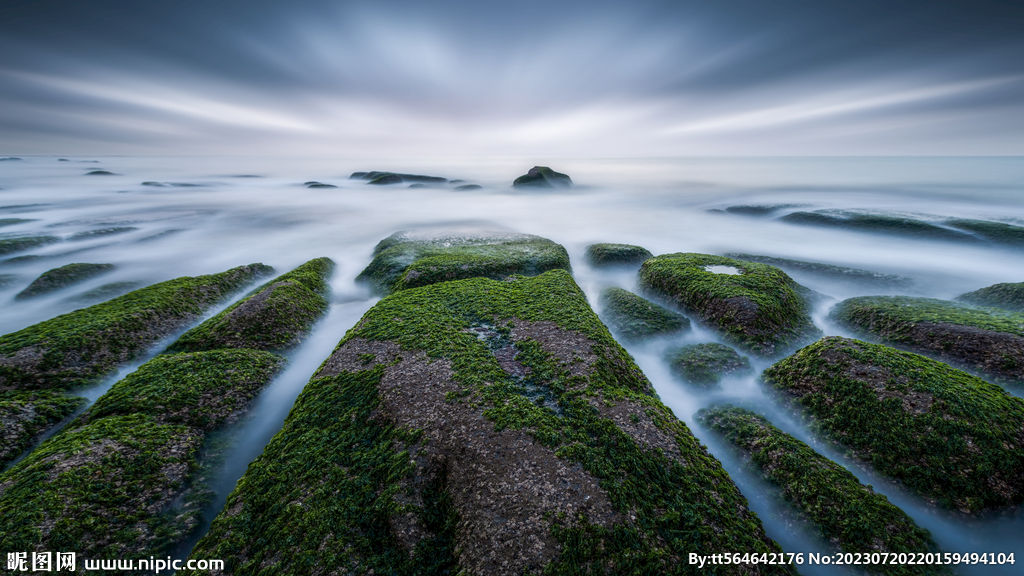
{"points": [[161, 217]]}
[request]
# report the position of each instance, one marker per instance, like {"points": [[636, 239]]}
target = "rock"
{"points": [[482, 427], [320, 185], [278, 315], [410, 259], [387, 179], [83, 347], [387, 176], [100, 173], [26, 415], [598, 255], [948, 436], [760, 209], [469, 187], [9, 158], [634, 318], [988, 340], [542, 177], [832, 272], [1006, 296], [848, 515], [62, 277], [997, 232], [90, 234], [14, 221], [880, 223], [418, 185], [757, 306], [153, 184], [10, 245], [706, 364], [106, 291]]}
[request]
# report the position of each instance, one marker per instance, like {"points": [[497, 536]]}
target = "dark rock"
{"points": [[90, 234], [469, 187], [997, 232], [319, 185], [706, 364], [63, 160], [759, 209], [847, 275], [100, 173], [418, 185], [456, 181], [9, 158], [387, 179], [880, 223], [634, 318], [542, 177], [616, 255], [759, 308], [62, 277], [14, 221], [153, 184], [1008, 296], [375, 175], [946, 435], [10, 245]]}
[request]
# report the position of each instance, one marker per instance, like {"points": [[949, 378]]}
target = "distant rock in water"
{"points": [[542, 177], [11, 245], [996, 232], [387, 179], [90, 234], [418, 185], [989, 340], [598, 255], [14, 221], [1006, 296], [634, 318], [946, 435], [9, 158], [62, 277], [319, 185], [878, 223], [171, 184], [106, 291], [851, 275], [468, 187], [759, 209], [706, 364], [100, 173], [377, 177]]}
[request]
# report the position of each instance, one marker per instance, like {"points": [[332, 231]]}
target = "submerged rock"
{"points": [[988, 340], [634, 318], [997, 232], [377, 177], [945, 434], [387, 179], [880, 223], [409, 259], [321, 185], [106, 291], [27, 414], [598, 255], [90, 234], [11, 245], [756, 306], [468, 187], [100, 173], [847, 275], [482, 427], [706, 364], [1008, 296], [82, 347], [759, 209], [848, 515], [62, 277], [14, 221], [7, 280], [542, 177]]}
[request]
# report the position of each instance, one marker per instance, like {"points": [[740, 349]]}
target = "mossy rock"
{"points": [[878, 223], [410, 259], [62, 277], [988, 340], [277, 316], [1008, 296], [634, 318], [20, 244], [996, 232], [948, 436], [90, 234], [82, 347], [598, 255], [830, 271], [106, 291], [761, 309], [25, 415], [542, 177], [482, 427], [759, 209], [378, 177], [706, 364], [13, 221], [852, 517]]}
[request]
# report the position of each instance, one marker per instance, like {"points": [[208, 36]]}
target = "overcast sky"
{"points": [[721, 77]]}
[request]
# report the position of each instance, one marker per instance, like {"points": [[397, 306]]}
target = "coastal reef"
{"points": [[946, 435], [634, 318], [706, 364]]}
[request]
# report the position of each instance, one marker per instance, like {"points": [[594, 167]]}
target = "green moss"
{"points": [[706, 364], [850, 275], [634, 318], [1006, 296], [278, 314], [991, 231], [948, 436], [892, 317], [762, 309], [874, 222], [84, 346], [404, 261], [10, 245], [64, 276], [25, 415], [845, 512], [616, 254]]}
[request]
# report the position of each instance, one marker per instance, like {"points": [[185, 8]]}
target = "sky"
{"points": [[570, 78]]}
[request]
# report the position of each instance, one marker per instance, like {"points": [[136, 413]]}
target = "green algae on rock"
{"points": [[946, 435], [66, 275], [847, 275], [988, 340], [706, 364], [997, 232], [634, 318], [278, 315], [1008, 296], [410, 259], [851, 516], [20, 244], [482, 427], [616, 254], [24, 415], [759, 308], [874, 222], [542, 177], [82, 347]]}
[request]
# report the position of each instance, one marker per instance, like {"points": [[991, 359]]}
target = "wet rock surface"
{"points": [[706, 364], [12, 245], [26, 415], [604, 254], [634, 318], [542, 177], [63, 277]]}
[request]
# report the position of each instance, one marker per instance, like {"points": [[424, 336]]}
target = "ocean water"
{"points": [[207, 214]]}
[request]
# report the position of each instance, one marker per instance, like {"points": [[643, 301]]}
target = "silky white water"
{"points": [[240, 210]]}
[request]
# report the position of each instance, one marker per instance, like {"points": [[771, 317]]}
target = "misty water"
{"points": [[204, 215]]}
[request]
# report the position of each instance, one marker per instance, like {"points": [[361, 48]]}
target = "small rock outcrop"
{"points": [[378, 177], [634, 318], [830, 271], [600, 255], [706, 364], [62, 277], [880, 223], [995, 232], [1008, 296], [11, 245], [542, 177]]}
